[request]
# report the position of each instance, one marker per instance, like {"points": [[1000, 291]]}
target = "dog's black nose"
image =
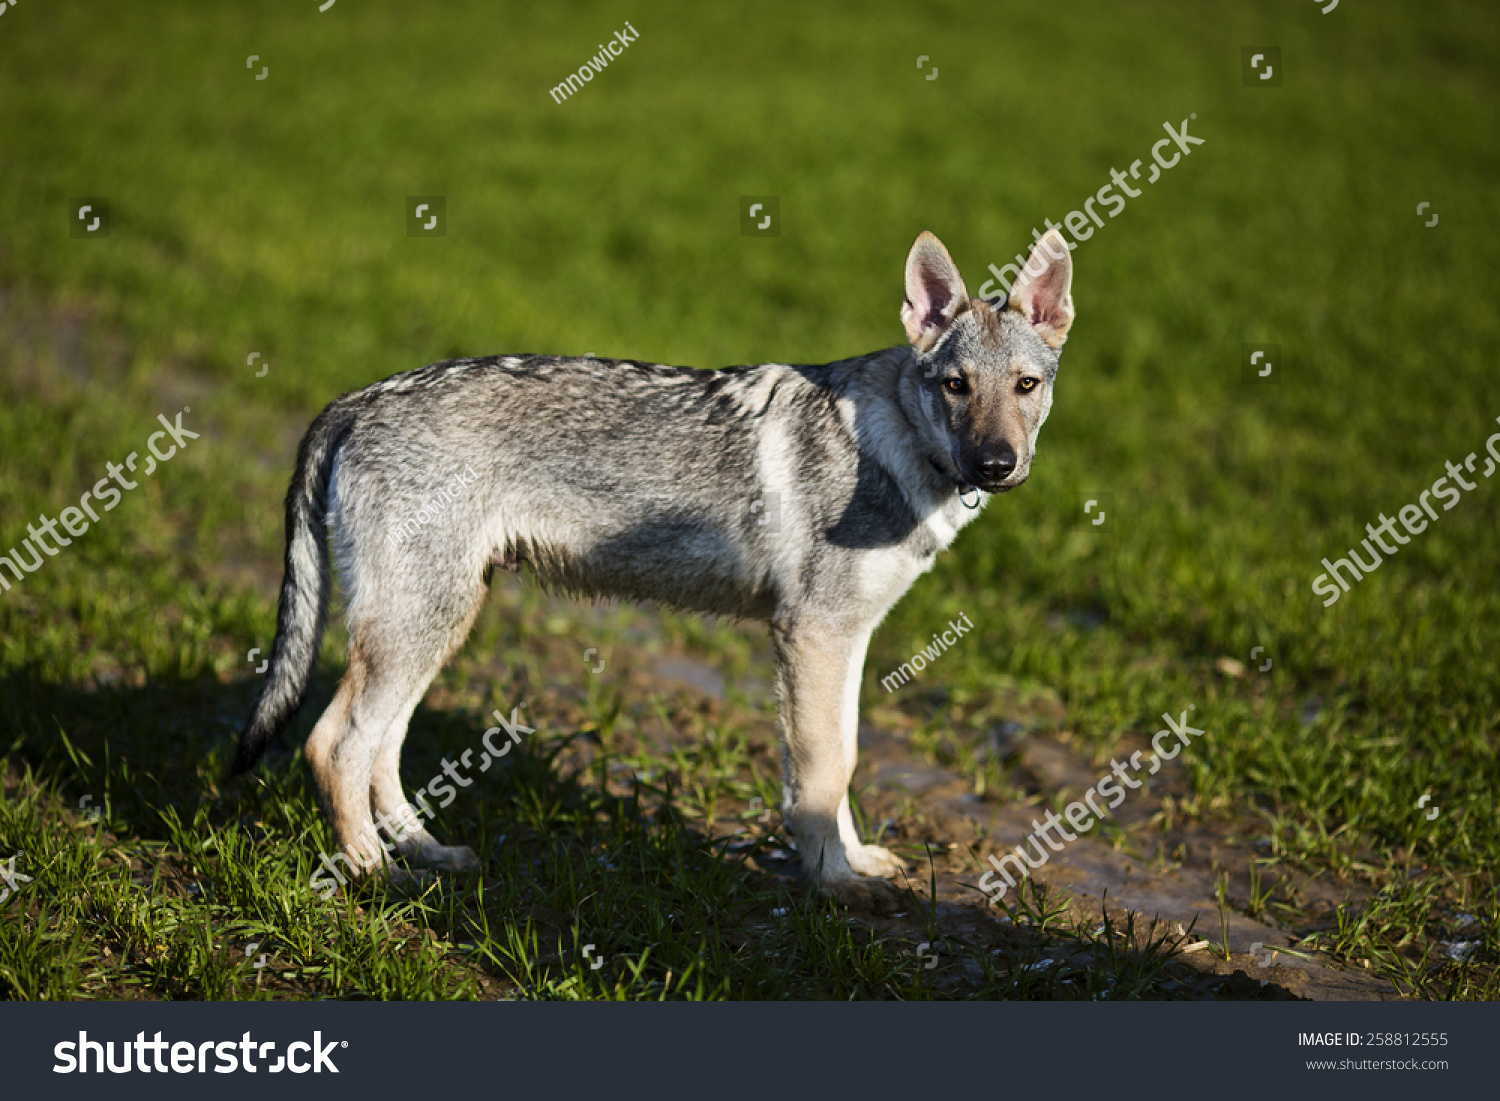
{"points": [[997, 463]]}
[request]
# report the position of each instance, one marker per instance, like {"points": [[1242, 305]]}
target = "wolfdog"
{"points": [[635, 480]]}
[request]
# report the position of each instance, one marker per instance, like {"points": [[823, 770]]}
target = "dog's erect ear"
{"points": [[1043, 293], [935, 292]]}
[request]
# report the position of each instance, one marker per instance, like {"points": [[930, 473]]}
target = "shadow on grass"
{"points": [[155, 878]]}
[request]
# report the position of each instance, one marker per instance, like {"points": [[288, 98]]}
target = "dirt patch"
{"points": [[1162, 882], [963, 829]]}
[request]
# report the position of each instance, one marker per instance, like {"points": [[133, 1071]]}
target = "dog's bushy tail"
{"points": [[304, 589]]}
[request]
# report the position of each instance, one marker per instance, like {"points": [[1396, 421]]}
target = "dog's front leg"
{"points": [[819, 662]]}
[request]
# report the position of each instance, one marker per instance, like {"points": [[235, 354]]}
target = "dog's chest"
{"points": [[886, 573], [941, 526]]}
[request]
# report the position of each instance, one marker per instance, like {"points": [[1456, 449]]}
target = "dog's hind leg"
{"points": [[387, 799], [398, 641], [341, 752], [389, 804]]}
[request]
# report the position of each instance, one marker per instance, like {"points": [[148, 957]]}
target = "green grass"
{"points": [[267, 217]]}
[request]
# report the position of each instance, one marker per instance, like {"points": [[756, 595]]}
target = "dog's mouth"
{"points": [[1005, 485], [963, 485], [950, 474]]}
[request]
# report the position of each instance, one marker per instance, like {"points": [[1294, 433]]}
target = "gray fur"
{"points": [[627, 479]]}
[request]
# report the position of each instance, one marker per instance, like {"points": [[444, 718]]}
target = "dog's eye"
{"points": [[1027, 384], [955, 385]]}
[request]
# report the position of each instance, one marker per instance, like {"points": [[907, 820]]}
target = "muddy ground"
{"points": [[1153, 872]]}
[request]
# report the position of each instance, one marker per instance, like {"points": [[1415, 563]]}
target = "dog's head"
{"points": [[984, 370]]}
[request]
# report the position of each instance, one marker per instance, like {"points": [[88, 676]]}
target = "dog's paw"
{"points": [[865, 894], [875, 861], [447, 858]]}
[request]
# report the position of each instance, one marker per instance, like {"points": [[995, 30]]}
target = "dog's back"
{"points": [[703, 488]]}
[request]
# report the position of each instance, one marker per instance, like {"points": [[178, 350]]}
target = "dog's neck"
{"points": [[877, 401]]}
